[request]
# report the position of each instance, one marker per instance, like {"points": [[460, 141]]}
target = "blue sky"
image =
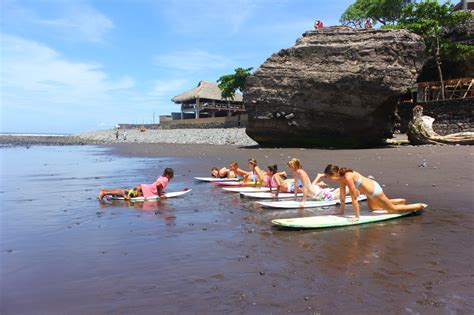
{"points": [[69, 66]]}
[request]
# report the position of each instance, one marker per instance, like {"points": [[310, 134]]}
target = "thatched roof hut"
{"points": [[204, 91], [206, 100]]}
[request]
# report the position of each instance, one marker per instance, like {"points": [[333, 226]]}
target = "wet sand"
{"points": [[213, 253]]}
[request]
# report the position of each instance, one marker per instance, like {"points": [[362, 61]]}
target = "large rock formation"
{"points": [[337, 87]]}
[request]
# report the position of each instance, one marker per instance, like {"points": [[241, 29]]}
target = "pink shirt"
{"points": [[149, 190], [270, 182]]}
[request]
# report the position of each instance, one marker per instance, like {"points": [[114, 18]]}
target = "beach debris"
{"points": [[420, 131], [293, 124], [423, 163]]}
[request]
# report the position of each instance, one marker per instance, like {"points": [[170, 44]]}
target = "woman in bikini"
{"points": [[256, 174], [376, 198], [276, 180], [220, 173], [310, 189], [236, 172]]}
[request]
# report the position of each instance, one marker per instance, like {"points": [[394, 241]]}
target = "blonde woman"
{"points": [[376, 198]]}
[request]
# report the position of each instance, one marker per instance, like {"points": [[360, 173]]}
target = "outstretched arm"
{"points": [[159, 190], [353, 192], [317, 180]]}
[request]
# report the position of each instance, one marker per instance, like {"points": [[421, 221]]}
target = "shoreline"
{"points": [[211, 136], [214, 136]]}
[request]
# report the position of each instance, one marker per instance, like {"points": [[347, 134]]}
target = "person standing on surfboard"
{"points": [[142, 190], [376, 198]]}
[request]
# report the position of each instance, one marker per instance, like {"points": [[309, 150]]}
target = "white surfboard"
{"points": [[296, 204], [245, 189], [327, 221], [269, 195], [154, 198], [215, 179]]}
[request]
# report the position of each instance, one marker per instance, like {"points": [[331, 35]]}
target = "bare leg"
{"points": [[382, 202], [281, 183], [111, 192], [398, 201]]}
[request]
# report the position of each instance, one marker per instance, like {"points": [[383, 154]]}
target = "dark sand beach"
{"points": [[212, 252]]}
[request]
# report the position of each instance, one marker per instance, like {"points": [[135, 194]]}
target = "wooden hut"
{"points": [[205, 100]]}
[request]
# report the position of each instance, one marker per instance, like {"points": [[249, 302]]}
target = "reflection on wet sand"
{"points": [[159, 207]]}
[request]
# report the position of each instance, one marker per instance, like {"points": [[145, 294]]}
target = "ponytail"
{"points": [[273, 168], [344, 170]]}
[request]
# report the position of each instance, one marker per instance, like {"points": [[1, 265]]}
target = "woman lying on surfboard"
{"points": [[256, 174], [236, 172], [277, 180], [142, 190], [313, 189], [220, 173], [376, 198]]}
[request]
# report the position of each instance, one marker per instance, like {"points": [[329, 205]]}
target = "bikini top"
{"points": [[358, 182]]}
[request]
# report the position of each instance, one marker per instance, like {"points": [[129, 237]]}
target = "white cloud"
{"points": [[199, 17], [194, 60], [75, 21], [83, 21], [163, 88], [33, 73]]}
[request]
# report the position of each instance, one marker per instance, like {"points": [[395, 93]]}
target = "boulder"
{"points": [[336, 87]]}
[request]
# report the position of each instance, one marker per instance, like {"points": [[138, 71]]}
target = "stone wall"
{"points": [[204, 123], [451, 116], [138, 126]]}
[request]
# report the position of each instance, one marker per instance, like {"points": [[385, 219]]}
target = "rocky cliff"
{"points": [[337, 87]]}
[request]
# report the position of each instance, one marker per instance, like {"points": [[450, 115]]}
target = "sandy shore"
{"points": [[212, 252], [216, 136], [228, 136]]}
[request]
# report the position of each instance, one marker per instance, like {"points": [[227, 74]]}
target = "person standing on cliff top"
{"points": [[318, 24], [368, 23]]}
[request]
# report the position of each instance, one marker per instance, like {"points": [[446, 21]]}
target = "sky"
{"points": [[69, 66]]}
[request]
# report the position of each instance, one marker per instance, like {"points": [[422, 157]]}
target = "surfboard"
{"points": [[245, 189], [268, 195], [328, 221], [235, 183], [214, 179], [295, 204], [154, 198]]}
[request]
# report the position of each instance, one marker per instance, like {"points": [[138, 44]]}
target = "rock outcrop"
{"points": [[337, 87]]}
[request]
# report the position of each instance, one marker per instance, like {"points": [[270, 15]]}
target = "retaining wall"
{"points": [[451, 116]]}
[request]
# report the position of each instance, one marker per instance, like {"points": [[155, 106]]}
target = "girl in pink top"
{"points": [[145, 190]]}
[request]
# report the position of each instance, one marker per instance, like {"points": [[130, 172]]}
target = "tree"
{"points": [[431, 20], [230, 83], [385, 12]]}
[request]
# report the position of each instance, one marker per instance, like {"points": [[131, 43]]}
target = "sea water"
{"points": [[208, 252]]}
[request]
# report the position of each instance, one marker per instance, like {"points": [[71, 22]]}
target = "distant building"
{"points": [[465, 5], [206, 100]]}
